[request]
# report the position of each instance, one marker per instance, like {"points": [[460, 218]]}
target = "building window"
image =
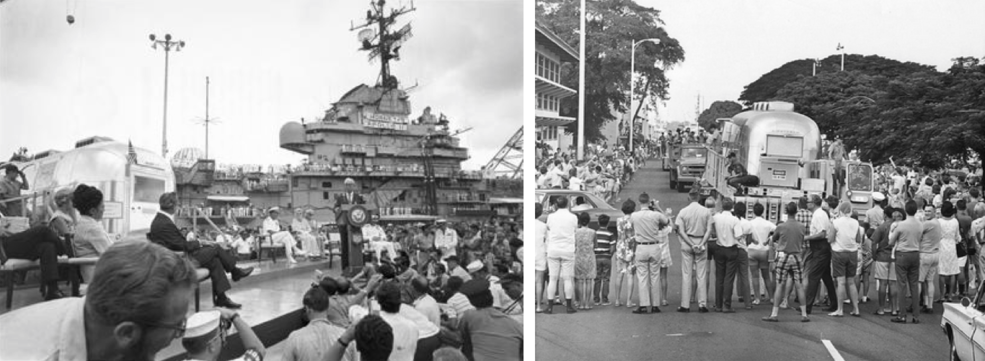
{"points": [[548, 68], [324, 195], [294, 182], [326, 185]]}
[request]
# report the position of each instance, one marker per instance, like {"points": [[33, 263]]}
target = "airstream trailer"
{"points": [[131, 179], [783, 149]]}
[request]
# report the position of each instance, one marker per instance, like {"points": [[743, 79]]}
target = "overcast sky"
{"points": [[269, 62], [729, 44]]}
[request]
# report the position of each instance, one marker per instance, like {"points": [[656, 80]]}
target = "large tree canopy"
{"points": [[766, 87], [925, 117], [718, 109], [612, 26]]}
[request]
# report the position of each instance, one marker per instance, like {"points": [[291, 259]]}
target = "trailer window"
{"points": [[780, 146], [860, 177], [147, 189]]}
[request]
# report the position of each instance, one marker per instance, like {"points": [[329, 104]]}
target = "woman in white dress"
{"points": [[304, 230], [950, 263]]}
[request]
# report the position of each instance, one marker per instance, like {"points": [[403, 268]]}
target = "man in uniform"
{"points": [[205, 336], [691, 223], [342, 217]]}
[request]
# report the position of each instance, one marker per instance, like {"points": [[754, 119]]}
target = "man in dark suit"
{"points": [[342, 217], [163, 231]]}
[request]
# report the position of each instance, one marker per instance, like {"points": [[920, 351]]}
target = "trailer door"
{"points": [[147, 189]]}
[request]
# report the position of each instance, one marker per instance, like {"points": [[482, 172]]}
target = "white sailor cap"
{"points": [[202, 323], [350, 181], [475, 266], [440, 221], [274, 209], [878, 196]]}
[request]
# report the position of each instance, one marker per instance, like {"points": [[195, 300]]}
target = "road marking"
{"points": [[675, 334], [831, 349]]}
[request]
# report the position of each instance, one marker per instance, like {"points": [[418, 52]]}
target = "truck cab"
{"points": [[688, 166]]}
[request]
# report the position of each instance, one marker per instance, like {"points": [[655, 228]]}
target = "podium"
{"points": [[356, 215]]}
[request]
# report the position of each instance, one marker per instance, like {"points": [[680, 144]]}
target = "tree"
{"points": [[767, 86], [924, 117], [718, 109], [611, 27]]}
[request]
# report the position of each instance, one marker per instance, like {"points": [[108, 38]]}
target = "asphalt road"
{"points": [[610, 333]]}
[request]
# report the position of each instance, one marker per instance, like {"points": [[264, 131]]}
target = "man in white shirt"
{"points": [[271, 227], [760, 251], [726, 255], [558, 174], [876, 215], [405, 331], [561, 227], [423, 302], [691, 223], [540, 256], [445, 240], [819, 260], [844, 260]]}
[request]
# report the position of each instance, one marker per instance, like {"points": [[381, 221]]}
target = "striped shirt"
{"points": [[603, 244]]}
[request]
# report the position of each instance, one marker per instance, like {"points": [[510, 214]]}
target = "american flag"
{"points": [[840, 47], [131, 153]]}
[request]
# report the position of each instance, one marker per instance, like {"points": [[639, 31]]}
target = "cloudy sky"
{"points": [[729, 44], [269, 62]]}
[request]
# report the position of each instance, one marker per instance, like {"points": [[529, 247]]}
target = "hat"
{"points": [[878, 196], [202, 323], [274, 209], [350, 181], [475, 266]]}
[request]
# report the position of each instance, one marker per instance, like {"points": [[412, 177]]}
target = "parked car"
{"points": [[964, 325], [592, 204]]}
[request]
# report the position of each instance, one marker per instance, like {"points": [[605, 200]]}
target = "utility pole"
{"points": [[842, 49], [167, 44], [580, 148]]}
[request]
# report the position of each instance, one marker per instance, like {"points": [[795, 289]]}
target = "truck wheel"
{"points": [[673, 183]]}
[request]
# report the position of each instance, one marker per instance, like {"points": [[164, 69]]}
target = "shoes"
{"points": [[915, 320], [224, 301], [898, 319], [926, 310], [683, 310], [783, 304], [855, 314], [54, 294], [640, 311], [805, 319], [770, 319], [549, 309], [654, 309], [702, 309], [755, 302], [571, 307], [664, 303], [605, 302], [242, 273], [836, 314]]}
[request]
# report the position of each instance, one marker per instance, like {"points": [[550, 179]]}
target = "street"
{"points": [[610, 333]]}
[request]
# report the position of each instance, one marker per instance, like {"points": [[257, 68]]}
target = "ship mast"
{"points": [[387, 42]]}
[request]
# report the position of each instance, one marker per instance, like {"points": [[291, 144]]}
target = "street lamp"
{"points": [[632, 76], [167, 44]]}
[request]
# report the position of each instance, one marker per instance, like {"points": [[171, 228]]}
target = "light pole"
{"points": [[167, 44], [632, 76]]}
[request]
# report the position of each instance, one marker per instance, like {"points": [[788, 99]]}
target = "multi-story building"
{"points": [[552, 51]]}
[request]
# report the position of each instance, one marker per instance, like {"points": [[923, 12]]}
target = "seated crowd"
{"points": [[413, 299]]}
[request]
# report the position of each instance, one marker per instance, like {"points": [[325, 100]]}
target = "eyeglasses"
{"points": [[178, 329]]}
